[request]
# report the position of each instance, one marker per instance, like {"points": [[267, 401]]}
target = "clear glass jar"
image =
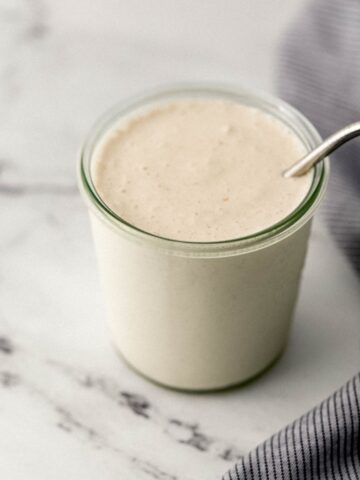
{"points": [[201, 315]]}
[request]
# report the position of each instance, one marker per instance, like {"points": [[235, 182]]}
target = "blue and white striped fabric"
{"points": [[319, 73], [322, 444]]}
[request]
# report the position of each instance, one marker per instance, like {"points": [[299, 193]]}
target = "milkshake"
{"points": [[200, 239]]}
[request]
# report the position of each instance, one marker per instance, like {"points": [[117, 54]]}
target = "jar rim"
{"points": [[284, 112]]}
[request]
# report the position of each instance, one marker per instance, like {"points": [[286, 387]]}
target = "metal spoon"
{"points": [[323, 150]]}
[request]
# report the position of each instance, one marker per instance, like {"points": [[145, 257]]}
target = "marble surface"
{"points": [[69, 408]]}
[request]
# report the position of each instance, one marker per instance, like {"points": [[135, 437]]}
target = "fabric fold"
{"points": [[323, 444], [319, 73]]}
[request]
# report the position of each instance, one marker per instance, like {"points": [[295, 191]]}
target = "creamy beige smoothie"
{"points": [[200, 170], [200, 239]]}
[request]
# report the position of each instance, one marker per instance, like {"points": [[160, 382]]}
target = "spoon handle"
{"points": [[323, 150]]}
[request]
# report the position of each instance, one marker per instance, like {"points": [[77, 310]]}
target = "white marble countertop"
{"points": [[69, 408]]}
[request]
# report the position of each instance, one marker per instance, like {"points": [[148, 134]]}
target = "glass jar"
{"points": [[201, 315]]}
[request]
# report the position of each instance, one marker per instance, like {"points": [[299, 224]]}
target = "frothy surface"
{"points": [[199, 170]]}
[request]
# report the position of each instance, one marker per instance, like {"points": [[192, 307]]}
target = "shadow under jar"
{"points": [[201, 315]]}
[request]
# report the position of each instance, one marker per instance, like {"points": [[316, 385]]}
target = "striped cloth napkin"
{"points": [[319, 73], [322, 444]]}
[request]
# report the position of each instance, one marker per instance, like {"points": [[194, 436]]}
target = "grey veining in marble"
{"points": [[69, 408]]}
